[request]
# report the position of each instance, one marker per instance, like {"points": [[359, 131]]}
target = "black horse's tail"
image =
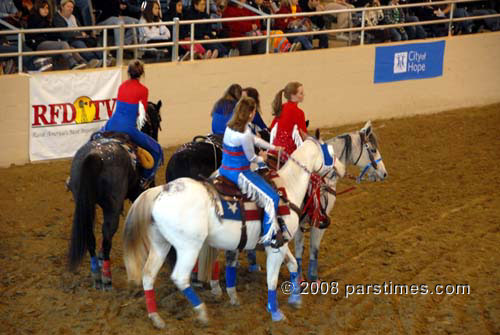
{"points": [[83, 219]]}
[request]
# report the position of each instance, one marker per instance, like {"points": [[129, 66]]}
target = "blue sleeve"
{"points": [[257, 120]]}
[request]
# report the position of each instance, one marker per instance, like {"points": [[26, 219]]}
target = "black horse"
{"points": [[104, 172]]}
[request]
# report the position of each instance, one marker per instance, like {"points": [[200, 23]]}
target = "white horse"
{"points": [[359, 148], [186, 213]]}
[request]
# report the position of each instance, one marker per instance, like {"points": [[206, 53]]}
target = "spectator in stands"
{"points": [[204, 31], [461, 27], [223, 109], [413, 32], [77, 39], [30, 63], [395, 16], [428, 13], [176, 10], [344, 20], [10, 13], [86, 15], [288, 128], [485, 8], [295, 24], [317, 20], [41, 17], [115, 12], [153, 34], [244, 28]]}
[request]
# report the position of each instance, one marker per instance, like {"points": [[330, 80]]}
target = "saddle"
{"points": [[237, 206], [138, 155]]}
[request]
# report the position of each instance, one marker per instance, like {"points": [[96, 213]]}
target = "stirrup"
{"points": [[278, 240]]}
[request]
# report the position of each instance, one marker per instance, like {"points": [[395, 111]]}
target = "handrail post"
{"points": [[450, 27], [105, 45], [20, 50], [362, 38], [175, 37], [119, 60], [191, 41], [268, 34]]}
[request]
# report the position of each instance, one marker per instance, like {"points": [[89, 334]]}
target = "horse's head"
{"points": [[153, 120], [361, 149]]}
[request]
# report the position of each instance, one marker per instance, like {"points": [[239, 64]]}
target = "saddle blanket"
{"points": [[232, 210]]}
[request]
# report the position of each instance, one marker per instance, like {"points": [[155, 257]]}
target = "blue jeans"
{"points": [[398, 35], [130, 35], [414, 32], [304, 40], [89, 55]]}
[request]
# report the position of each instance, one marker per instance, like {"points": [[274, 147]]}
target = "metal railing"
{"points": [[176, 24]]}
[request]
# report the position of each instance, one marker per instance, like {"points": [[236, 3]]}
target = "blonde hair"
{"points": [[241, 114], [290, 89]]}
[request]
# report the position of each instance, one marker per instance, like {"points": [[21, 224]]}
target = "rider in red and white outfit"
{"points": [[288, 128]]}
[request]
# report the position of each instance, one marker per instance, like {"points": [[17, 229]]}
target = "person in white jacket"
{"points": [[153, 34]]}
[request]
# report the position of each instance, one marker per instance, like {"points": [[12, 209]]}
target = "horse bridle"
{"points": [[373, 162]]}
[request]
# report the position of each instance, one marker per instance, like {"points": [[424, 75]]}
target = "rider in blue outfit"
{"points": [[131, 104], [238, 153], [223, 109]]}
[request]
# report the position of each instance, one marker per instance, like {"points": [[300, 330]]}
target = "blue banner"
{"points": [[409, 61]]}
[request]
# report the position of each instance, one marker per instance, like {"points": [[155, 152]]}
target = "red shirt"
{"points": [[290, 116], [132, 92], [239, 28], [282, 24]]}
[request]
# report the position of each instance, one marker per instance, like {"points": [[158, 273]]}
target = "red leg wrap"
{"points": [[150, 301], [106, 269], [215, 271]]}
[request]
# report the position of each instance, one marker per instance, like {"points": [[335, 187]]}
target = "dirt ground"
{"points": [[434, 221]]}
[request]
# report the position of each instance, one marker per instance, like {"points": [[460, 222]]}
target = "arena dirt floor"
{"points": [[434, 221]]}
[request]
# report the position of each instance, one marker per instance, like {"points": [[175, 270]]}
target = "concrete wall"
{"points": [[338, 86]]}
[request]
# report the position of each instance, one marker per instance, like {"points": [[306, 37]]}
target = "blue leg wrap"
{"points": [[272, 304], [94, 264], [312, 273], [295, 297], [191, 296], [230, 276], [252, 256]]}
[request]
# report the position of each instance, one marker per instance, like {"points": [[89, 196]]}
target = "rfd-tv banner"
{"points": [[65, 109], [409, 61]]}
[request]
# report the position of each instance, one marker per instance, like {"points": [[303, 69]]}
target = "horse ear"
{"points": [[367, 128], [158, 104], [316, 134]]}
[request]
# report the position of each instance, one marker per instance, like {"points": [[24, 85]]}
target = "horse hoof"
{"points": [[98, 284], [157, 320], [234, 301], [201, 314], [295, 301], [278, 316], [216, 291], [107, 287]]}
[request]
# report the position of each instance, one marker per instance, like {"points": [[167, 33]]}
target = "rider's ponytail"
{"points": [[276, 104], [290, 89]]}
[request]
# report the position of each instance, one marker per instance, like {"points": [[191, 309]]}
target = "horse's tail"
{"points": [[84, 215], [206, 259], [136, 240]]}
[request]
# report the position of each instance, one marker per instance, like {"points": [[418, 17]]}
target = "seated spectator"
{"points": [[204, 31], [395, 16], [41, 17], [115, 12], [77, 39], [372, 19], [10, 13], [25, 7], [485, 8], [344, 20], [413, 32], [86, 15], [153, 34], [461, 27], [428, 13], [294, 24], [177, 10], [244, 28], [30, 63], [317, 20]]}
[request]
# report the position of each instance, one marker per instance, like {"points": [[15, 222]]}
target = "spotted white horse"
{"points": [[186, 213], [359, 148]]}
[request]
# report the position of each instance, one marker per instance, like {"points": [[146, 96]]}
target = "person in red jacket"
{"points": [[294, 24], [244, 28], [288, 128]]}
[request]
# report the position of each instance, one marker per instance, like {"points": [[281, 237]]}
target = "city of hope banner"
{"points": [[66, 108], [409, 61]]}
